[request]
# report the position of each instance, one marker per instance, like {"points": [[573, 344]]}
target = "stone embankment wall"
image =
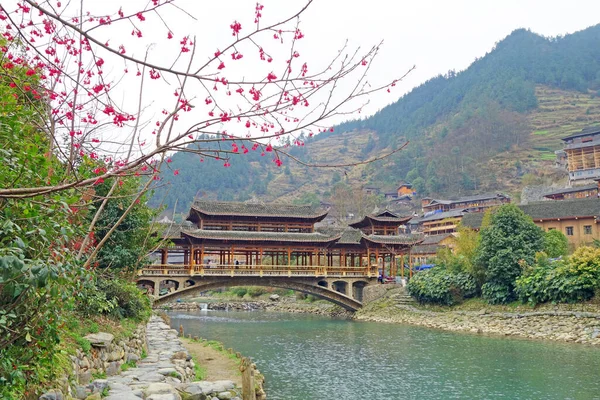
{"points": [[107, 355], [320, 308], [578, 327]]}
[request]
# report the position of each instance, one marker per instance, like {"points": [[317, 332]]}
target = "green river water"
{"points": [[309, 357]]}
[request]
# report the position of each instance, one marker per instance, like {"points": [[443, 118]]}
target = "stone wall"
{"points": [[107, 354], [376, 291]]}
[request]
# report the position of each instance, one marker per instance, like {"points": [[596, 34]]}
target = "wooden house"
{"points": [[577, 219], [583, 154]]}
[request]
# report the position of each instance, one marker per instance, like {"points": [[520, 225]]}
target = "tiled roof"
{"points": [[466, 199], [472, 220], [425, 249], [435, 239], [366, 220], [562, 209], [546, 210], [394, 239], [257, 209], [442, 215], [260, 236], [350, 236], [575, 189], [590, 130]]}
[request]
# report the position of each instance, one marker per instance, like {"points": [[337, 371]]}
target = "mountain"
{"points": [[494, 126]]}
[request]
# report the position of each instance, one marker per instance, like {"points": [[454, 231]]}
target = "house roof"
{"points": [[590, 130], [573, 190], [435, 239], [404, 184], [472, 220], [406, 239], [382, 217], [547, 210], [260, 236], [425, 249], [442, 215], [562, 209], [467, 199], [222, 208]]}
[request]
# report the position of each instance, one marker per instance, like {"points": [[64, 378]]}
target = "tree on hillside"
{"points": [[347, 200], [507, 245]]}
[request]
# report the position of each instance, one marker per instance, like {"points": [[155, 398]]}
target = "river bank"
{"points": [[285, 304], [565, 323]]}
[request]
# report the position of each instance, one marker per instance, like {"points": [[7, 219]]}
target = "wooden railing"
{"points": [[258, 270]]}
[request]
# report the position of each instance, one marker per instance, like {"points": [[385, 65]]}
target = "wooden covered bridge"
{"points": [[242, 244]]}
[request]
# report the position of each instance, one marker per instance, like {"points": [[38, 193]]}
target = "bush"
{"points": [[567, 281], [239, 291], [440, 286], [114, 297], [255, 291], [556, 244], [497, 293]]}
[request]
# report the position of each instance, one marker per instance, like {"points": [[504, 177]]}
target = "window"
{"points": [[569, 230], [587, 229]]}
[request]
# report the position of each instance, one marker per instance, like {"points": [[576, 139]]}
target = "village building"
{"points": [[437, 222], [426, 251], [469, 204], [583, 154], [229, 235], [577, 192], [577, 219]]}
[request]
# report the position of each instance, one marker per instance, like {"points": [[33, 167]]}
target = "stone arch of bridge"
{"points": [[346, 300]]}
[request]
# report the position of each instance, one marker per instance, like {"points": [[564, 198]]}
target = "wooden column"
{"points": [[164, 253], [410, 264], [201, 254], [192, 259], [289, 254]]}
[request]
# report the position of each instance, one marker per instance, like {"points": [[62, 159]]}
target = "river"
{"points": [[310, 357]]}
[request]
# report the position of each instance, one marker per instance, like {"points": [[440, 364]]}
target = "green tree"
{"points": [[507, 245], [556, 244], [129, 244]]}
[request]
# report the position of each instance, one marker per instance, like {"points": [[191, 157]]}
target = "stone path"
{"points": [[165, 374]]}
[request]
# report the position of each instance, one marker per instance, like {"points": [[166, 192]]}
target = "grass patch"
{"points": [[199, 371], [547, 156], [99, 375], [127, 365], [144, 354], [545, 132]]}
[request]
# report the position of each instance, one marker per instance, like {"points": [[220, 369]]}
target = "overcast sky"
{"points": [[436, 36]]}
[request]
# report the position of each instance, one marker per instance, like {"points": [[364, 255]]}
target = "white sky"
{"points": [[436, 36]]}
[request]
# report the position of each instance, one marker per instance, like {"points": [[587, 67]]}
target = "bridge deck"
{"points": [[181, 270]]}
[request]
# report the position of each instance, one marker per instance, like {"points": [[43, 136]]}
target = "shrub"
{"points": [[556, 244], [255, 291], [566, 281], [239, 291], [114, 297], [440, 286], [497, 293]]}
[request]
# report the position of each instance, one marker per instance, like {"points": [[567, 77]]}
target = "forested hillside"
{"points": [[486, 128]]}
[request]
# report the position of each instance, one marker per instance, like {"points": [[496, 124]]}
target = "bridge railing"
{"points": [[176, 270]]}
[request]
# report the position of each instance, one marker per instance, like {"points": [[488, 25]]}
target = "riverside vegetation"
{"points": [[48, 300]]}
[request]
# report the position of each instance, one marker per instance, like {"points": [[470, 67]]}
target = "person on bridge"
{"points": [[237, 264]]}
